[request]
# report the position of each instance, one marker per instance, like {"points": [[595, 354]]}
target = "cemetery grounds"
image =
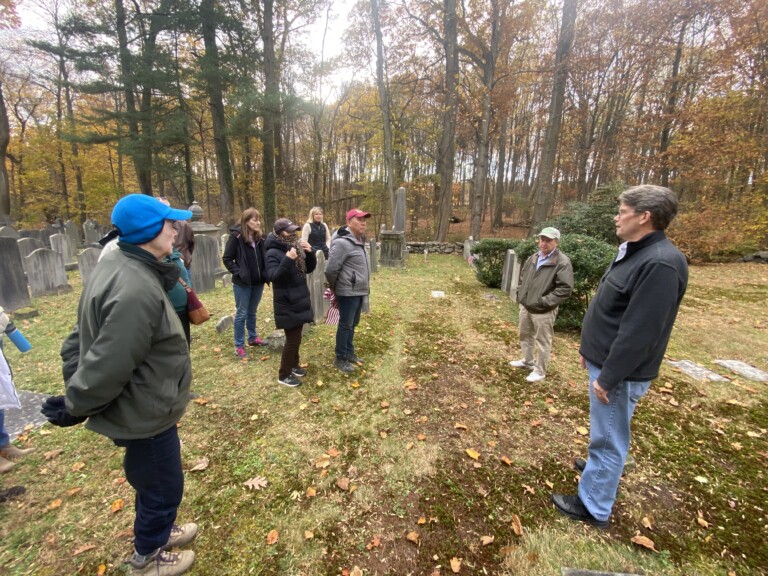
{"points": [[437, 458]]}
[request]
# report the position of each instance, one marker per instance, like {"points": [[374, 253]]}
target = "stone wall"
{"points": [[435, 247]]}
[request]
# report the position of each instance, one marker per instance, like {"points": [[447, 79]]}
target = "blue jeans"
{"points": [[153, 468], [609, 436], [349, 317], [4, 438], [247, 300]]}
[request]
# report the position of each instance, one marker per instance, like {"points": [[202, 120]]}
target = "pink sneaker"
{"points": [[257, 342], [240, 352]]}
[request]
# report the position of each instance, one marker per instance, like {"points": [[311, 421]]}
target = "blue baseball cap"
{"points": [[139, 218]]}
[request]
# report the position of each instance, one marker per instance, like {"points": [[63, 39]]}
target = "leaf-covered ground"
{"points": [[436, 457]]}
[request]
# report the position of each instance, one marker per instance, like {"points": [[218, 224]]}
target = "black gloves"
{"points": [[53, 408]]}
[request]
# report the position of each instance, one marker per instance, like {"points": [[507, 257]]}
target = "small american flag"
{"points": [[332, 317]]}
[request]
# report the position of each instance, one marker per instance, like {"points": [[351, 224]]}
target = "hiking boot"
{"points": [[343, 365], [535, 377], [299, 372], [521, 364], [354, 359], [572, 507], [5, 465], [290, 380], [240, 352], [11, 452], [257, 342], [12, 492], [161, 563], [182, 535]]}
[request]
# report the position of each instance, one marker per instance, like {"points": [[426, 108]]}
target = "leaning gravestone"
{"points": [[205, 261], [743, 369], [46, 273], [91, 231], [86, 262], [28, 245], [62, 244], [8, 232], [13, 280], [71, 230], [696, 371], [316, 282], [510, 259]]}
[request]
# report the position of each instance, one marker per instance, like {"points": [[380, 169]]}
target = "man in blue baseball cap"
{"points": [[127, 371]]}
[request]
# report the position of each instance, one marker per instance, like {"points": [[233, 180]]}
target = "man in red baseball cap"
{"points": [[348, 276]]}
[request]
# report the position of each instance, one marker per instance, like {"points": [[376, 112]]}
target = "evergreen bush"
{"points": [[488, 259], [592, 218]]}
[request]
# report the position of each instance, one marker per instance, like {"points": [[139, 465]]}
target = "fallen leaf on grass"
{"points": [[455, 564], [700, 520], [102, 570], [528, 489], [200, 465], [83, 548], [308, 535], [474, 454], [217, 349], [421, 520], [383, 433], [256, 483], [117, 505], [45, 432], [411, 384], [506, 460], [272, 537], [701, 480], [535, 423], [355, 384], [374, 543], [485, 540], [356, 571], [201, 401], [647, 522], [311, 492], [409, 445], [412, 537], [517, 526], [582, 431], [673, 402], [52, 454], [549, 484], [384, 404], [422, 437], [73, 491], [332, 452], [343, 483], [644, 541], [323, 461], [460, 426], [78, 466]]}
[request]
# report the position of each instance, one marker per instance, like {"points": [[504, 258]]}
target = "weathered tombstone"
{"points": [[205, 261], [41, 235], [9, 232], [744, 370], [13, 280], [91, 231], [372, 260], [696, 371], [28, 245], [223, 228], [86, 262], [392, 249], [224, 323], [400, 210], [316, 282], [46, 272], [506, 272], [224, 240], [62, 244], [71, 230], [469, 243], [514, 280]]}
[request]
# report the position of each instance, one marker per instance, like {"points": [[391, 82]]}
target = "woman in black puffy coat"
{"points": [[288, 261]]}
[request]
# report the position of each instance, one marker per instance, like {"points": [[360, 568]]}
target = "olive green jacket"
{"points": [[545, 289], [126, 363]]}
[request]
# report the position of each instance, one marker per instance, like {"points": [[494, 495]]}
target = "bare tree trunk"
{"points": [[271, 113], [543, 197], [5, 139], [669, 109], [381, 82], [501, 170], [446, 147]]}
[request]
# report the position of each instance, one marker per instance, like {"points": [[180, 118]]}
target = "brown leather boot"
{"points": [[11, 452], [5, 465]]}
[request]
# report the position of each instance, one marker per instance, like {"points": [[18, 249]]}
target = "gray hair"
{"points": [[659, 201]]}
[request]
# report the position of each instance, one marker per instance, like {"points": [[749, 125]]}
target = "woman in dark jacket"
{"points": [[244, 258], [289, 260]]}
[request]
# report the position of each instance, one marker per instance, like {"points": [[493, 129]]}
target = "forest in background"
{"points": [[501, 111]]}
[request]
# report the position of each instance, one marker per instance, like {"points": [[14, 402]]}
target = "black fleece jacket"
{"points": [[629, 321]]}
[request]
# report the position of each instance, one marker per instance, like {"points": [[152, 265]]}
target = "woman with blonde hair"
{"points": [[244, 258], [316, 232]]}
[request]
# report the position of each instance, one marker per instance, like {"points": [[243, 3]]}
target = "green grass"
{"points": [[436, 383]]}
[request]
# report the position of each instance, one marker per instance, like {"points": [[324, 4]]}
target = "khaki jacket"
{"points": [[545, 289]]}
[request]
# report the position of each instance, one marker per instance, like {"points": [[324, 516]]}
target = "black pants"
{"points": [[184, 317], [153, 468], [290, 358]]}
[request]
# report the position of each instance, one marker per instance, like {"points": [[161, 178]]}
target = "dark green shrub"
{"points": [[592, 218], [488, 259], [590, 258]]}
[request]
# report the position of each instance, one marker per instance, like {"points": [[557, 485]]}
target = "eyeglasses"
{"points": [[623, 212]]}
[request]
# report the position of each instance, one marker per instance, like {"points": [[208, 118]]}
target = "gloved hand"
{"points": [[56, 412], [3, 320]]}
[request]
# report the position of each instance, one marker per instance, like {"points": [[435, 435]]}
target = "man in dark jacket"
{"points": [[624, 336], [546, 281], [127, 371], [348, 276]]}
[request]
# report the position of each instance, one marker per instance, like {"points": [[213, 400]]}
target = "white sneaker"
{"points": [[520, 364], [535, 377]]}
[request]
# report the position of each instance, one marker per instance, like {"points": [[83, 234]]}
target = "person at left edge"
{"points": [[127, 371]]}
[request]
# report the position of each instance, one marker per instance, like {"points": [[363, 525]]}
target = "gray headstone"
{"points": [[400, 210], [224, 240], [223, 228], [226, 280], [469, 243], [16, 420], [8, 232], [91, 231], [225, 323], [13, 280], [206, 260], [392, 249], [46, 273], [28, 245], [514, 280], [41, 235], [86, 262], [276, 340], [696, 371], [71, 230], [62, 244], [372, 259], [506, 271], [744, 370], [316, 282]]}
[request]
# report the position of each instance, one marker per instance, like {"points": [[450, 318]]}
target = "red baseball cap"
{"points": [[355, 213]]}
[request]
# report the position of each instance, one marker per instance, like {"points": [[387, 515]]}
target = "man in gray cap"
{"points": [[546, 281]]}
